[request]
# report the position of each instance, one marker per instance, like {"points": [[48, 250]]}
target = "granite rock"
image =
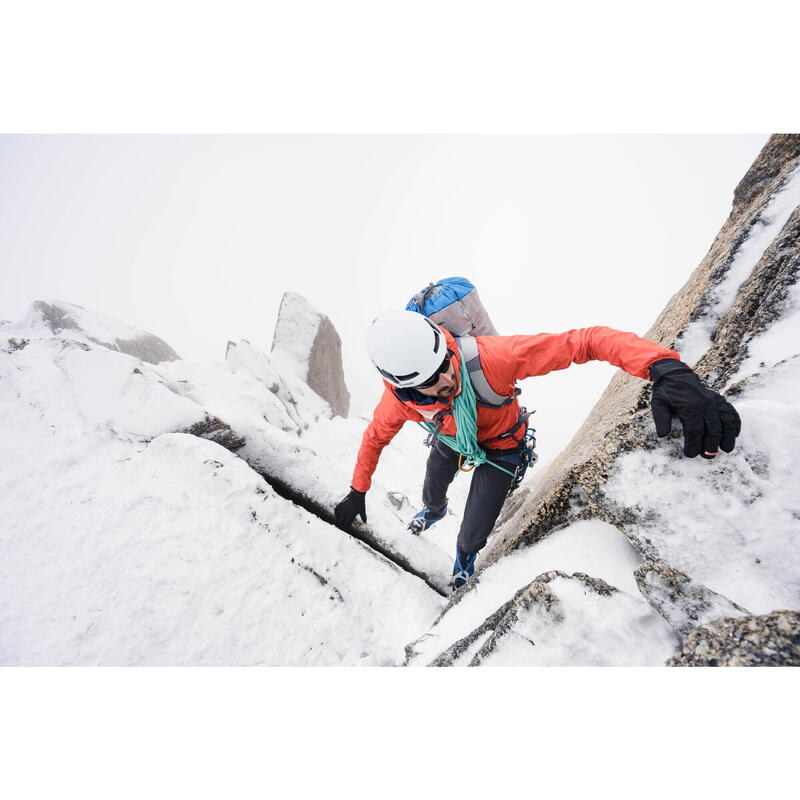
{"points": [[768, 640], [310, 340]]}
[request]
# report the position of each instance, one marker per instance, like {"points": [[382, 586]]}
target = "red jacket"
{"points": [[505, 359]]}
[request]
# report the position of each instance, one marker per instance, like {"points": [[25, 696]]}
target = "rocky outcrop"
{"points": [[215, 430], [65, 318], [312, 342], [482, 642], [769, 640], [572, 488], [741, 291], [683, 602]]}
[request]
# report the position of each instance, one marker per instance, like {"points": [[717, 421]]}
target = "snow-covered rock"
{"points": [[74, 322], [502, 592], [683, 602], [563, 619], [768, 640], [307, 339]]}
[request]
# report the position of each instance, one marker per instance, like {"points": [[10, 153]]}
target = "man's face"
{"points": [[446, 387]]}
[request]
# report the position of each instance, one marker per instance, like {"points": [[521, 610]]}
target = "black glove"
{"points": [[709, 421], [345, 512]]}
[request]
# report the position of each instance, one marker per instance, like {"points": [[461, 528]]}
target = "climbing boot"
{"points": [[425, 518], [463, 568]]}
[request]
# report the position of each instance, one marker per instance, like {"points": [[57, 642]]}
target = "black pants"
{"points": [[487, 491]]}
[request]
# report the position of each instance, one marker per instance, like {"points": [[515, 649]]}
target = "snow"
{"points": [[730, 523], [295, 332], [586, 629], [90, 324], [178, 553], [777, 343], [698, 336], [589, 546]]}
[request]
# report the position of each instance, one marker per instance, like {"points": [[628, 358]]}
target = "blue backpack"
{"points": [[454, 304]]}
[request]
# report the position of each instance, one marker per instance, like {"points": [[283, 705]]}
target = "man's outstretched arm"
{"points": [[709, 421]]}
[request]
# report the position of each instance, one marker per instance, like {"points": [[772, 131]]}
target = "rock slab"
{"points": [[312, 342]]}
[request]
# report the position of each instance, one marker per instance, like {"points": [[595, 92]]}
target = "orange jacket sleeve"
{"points": [[509, 358], [389, 416]]}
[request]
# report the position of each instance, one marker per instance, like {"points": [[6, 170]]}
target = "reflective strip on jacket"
{"points": [[505, 359]]}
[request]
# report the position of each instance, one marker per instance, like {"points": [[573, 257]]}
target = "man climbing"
{"points": [[427, 378]]}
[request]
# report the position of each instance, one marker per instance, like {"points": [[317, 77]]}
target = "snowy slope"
{"points": [[126, 541]]}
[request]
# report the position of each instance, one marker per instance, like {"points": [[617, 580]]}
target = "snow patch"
{"points": [[697, 338]]}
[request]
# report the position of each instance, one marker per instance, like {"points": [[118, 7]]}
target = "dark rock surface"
{"points": [[215, 430], [769, 640], [312, 341]]}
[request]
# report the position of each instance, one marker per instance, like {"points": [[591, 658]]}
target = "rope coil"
{"points": [[465, 414]]}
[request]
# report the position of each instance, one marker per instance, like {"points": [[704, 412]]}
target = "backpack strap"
{"points": [[484, 394]]}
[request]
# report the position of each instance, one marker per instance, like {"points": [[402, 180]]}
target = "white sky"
{"points": [[195, 238]]}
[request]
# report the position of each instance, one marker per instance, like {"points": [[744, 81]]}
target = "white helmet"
{"points": [[405, 347]]}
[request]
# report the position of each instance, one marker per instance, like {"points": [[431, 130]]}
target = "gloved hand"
{"points": [[709, 421], [345, 512]]}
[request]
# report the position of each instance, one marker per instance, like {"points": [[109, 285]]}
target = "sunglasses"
{"points": [[434, 379]]}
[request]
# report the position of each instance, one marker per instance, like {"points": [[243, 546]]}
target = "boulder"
{"points": [[309, 339]]}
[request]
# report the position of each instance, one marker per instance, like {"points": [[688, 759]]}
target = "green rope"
{"points": [[465, 413]]}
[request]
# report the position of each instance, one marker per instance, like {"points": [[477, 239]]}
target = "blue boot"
{"points": [[425, 518], [463, 568]]}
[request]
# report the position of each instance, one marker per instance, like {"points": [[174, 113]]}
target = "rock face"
{"points": [[65, 318], [770, 640], [620, 422], [312, 342], [711, 547]]}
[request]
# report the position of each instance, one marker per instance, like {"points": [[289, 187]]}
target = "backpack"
{"points": [[454, 304]]}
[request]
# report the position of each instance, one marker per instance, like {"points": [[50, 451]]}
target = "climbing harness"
{"points": [[529, 457]]}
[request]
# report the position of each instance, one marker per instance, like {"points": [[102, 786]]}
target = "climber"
{"points": [[421, 367]]}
